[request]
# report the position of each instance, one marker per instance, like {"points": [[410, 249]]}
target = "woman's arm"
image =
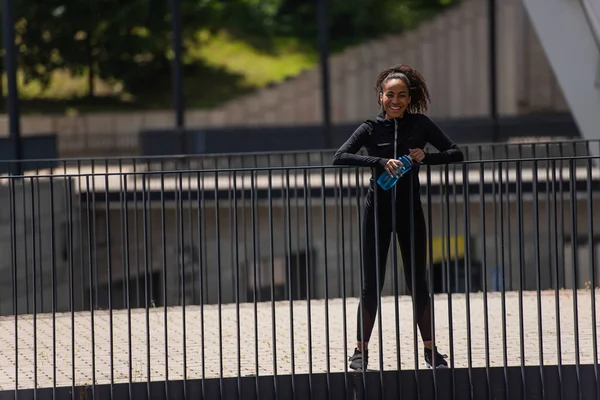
{"points": [[346, 155], [449, 152]]}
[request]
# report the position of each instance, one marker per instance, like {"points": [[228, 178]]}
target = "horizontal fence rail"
{"points": [[246, 282], [472, 152]]}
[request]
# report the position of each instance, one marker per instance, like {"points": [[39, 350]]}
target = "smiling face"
{"points": [[395, 98]]}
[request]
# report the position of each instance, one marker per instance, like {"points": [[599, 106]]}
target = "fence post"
{"points": [[177, 78], [324, 54], [12, 99], [493, 69]]}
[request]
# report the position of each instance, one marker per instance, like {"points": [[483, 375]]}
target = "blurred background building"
{"points": [[102, 78], [210, 78]]}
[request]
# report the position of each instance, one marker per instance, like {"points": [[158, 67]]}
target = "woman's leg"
{"points": [[421, 291], [421, 294], [373, 248]]}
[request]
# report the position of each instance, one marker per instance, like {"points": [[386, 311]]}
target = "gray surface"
{"points": [[210, 352]]}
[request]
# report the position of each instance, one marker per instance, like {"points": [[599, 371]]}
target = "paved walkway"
{"points": [[84, 363]]}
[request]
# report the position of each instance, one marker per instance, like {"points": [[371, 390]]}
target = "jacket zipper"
{"points": [[395, 139]]}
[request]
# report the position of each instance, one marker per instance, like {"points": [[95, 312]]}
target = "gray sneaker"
{"points": [[356, 361]]}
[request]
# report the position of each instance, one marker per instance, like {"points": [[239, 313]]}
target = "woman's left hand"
{"points": [[417, 155]]}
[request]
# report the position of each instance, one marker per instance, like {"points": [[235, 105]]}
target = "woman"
{"points": [[401, 128]]}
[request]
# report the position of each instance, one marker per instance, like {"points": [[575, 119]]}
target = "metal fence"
{"points": [[189, 282], [523, 148]]}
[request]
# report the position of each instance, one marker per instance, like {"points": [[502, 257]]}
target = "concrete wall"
{"points": [[95, 244], [35, 237], [450, 50], [217, 251]]}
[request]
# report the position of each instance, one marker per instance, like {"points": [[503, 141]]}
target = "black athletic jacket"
{"points": [[378, 137]]}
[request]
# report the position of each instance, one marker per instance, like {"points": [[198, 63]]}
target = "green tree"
{"points": [[130, 40]]}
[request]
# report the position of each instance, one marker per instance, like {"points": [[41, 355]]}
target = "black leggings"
{"points": [[369, 291]]}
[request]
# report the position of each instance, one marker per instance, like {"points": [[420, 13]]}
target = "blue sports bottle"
{"points": [[386, 181]]}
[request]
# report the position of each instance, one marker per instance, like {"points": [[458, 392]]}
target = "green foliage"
{"points": [[350, 21], [128, 42]]}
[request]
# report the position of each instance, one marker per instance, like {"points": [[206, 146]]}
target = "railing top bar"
{"points": [[176, 157], [516, 161]]}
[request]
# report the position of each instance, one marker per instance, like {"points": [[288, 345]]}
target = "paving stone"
{"points": [[215, 351]]}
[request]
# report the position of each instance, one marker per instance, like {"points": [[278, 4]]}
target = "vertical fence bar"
{"points": [[308, 275], [164, 280], [34, 284], [290, 274], [495, 217], [191, 288], [341, 260], [412, 229], [508, 227], [259, 255], [557, 281], [230, 194], [219, 289], [41, 249], [574, 267], [255, 266], [127, 280], [466, 182], [338, 220], [26, 243], [181, 246], [298, 279], [378, 280], [503, 278], [592, 259], [361, 273], [90, 216], [147, 298], [538, 273], [326, 284], [94, 230], [201, 255], [549, 215], [244, 220], [122, 199], [110, 280], [561, 187], [350, 232], [237, 285], [521, 276], [203, 244], [15, 277], [53, 280], [272, 265], [395, 274], [136, 238], [340, 227], [69, 200], [482, 207], [431, 283], [444, 183], [456, 224]]}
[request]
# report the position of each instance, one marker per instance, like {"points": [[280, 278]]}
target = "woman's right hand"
{"points": [[393, 167]]}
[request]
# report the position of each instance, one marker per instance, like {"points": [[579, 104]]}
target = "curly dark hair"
{"points": [[414, 80]]}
